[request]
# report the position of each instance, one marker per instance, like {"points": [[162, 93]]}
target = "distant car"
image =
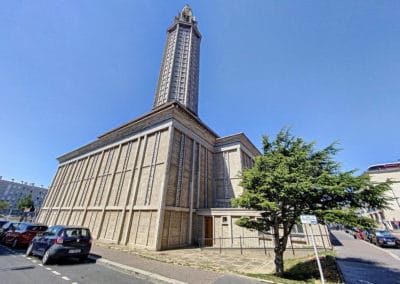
{"points": [[23, 234], [10, 225], [383, 238], [60, 242], [359, 234]]}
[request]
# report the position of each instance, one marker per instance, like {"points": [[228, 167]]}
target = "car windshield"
{"points": [[383, 234], [52, 231]]}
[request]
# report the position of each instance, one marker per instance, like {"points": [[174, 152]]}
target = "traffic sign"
{"points": [[308, 219]]}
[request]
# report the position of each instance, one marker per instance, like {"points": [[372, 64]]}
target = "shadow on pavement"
{"points": [[94, 256], [335, 242], [72, 261], [356, 270], [4, 250]]}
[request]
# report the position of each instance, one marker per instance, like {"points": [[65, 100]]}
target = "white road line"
{"points": [[56, 273], [65, 278], [48, 268], [74, 283]]}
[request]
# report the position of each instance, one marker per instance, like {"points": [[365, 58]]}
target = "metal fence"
{"points": [[264, 242]]}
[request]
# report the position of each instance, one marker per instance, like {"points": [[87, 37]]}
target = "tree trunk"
{"points": [[279, 269], [279, 249]]}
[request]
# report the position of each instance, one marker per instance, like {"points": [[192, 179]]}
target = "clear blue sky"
{"points": [[72, 70]]}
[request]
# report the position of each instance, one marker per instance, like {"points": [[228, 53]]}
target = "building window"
{"points": [[297, 229]]}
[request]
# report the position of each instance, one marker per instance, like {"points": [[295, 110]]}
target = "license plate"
{"points": [[74, 251], [390, 243]]}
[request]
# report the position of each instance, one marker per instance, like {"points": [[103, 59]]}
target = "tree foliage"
{"points": [[292, 178], [4, 205], [25, 202]]}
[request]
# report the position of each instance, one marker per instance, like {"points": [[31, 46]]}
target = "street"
{"points": [[363, 262], [16, 268], [359, 261]]}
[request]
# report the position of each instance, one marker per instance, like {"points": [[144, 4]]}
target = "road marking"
{"points": [[15, 254]]}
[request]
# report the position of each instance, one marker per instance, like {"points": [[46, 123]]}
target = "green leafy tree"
{"points": [[292, 178], [4, 205], [25, 202]]}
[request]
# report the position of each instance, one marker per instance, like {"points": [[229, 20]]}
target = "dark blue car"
{"points": [[383, 238], [60, 242]]}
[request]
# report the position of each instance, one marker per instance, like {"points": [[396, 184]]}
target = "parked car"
{"points": [[60, 242], [10, 225], [2, 222], [359, 234], [383, 238], [368, 234], [23, 234]]}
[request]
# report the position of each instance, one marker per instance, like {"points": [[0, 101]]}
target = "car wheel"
{"points": [[14, 244], [46, 257], [29, 250]]}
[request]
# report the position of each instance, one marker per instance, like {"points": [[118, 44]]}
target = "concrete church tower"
{"points": [[155, 182], [179, 73]]}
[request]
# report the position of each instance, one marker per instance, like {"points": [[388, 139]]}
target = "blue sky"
{"points": [[72, 70]]}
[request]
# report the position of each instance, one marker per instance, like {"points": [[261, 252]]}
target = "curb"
{"points": [[339, 269], [133, 270]]}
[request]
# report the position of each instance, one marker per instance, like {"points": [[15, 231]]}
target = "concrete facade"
{"points": [[164, 180], [141, 184], [179, 72], [389, 218], [12, 192]]}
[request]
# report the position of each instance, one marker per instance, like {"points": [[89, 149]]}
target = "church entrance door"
{"points": [[208, 232]]}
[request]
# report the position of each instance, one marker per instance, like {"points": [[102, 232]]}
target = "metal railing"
{"points": [[264, 242]]}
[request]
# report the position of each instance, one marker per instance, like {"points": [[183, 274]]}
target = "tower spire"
{"points": [[179, 73]]}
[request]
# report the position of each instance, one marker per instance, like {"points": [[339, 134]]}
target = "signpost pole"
{"points": [[312, 219], [316, 255]]}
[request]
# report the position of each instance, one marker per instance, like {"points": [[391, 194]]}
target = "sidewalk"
{"points": [[190, 265]]}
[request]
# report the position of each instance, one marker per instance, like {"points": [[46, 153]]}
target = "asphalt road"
{"points": [[363, 262], [15, 268]]}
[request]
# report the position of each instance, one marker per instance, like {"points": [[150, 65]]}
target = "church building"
{"points": [[163, 180]]}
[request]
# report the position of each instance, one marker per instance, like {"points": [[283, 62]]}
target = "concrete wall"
{"points": [[387, 216], [226, 234], [229, 162], [141, 184], [115, 191], [189, 187]]}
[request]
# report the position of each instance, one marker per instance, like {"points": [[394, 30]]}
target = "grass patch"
{"points": [[305, 270]]}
